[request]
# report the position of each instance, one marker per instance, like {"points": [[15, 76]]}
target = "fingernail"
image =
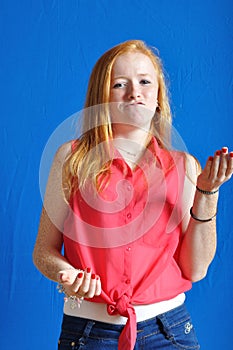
{"points": [[218, 153], [211, 158], [80, 274], [97, 278], [224, 150], [88, 270], [93, 276], [231, 154]]}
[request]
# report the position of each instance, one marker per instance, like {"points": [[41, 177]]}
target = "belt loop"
{"points": [[86, 332]]}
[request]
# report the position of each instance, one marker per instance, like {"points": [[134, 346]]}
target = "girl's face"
{"points": [[134, 90]]}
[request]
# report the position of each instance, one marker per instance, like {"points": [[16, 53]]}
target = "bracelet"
{"points": [[75, 301], [206, 192], [201, 220]]}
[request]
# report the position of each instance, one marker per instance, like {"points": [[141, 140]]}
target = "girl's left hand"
{"points": [[218, 169]]}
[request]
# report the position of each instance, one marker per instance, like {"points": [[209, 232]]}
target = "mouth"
{"points": [[127, 106], [135, 104]]}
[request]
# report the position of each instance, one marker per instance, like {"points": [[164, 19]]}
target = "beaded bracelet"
{"points": [[201, 220], [206, 192]]}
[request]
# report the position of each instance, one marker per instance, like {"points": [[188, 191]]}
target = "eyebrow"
{"points": [[140, 75]]}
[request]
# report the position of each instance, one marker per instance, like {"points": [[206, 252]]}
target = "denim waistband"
{"points": [[171, 330]]}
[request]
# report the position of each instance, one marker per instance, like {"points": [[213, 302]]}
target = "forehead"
{"points": [[131, 62]]}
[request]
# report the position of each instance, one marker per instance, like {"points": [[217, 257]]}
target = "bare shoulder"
{"points": [[191, 163], [60, 157], [63, 151], [192, 166], [55, 200]]}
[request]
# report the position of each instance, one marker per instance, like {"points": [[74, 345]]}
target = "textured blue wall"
{"points": [[48, 49]]}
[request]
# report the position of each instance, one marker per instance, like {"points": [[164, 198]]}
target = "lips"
{"points": [[122, 106], [135, 104]]}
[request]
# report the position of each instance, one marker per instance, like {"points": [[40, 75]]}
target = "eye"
{"points": [[145, 82], [119, 85]]}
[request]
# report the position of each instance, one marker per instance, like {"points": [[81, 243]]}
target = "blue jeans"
{"points": [[171, 330]]}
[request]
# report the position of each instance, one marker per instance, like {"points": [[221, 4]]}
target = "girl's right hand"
{"points": [[79, 283]]}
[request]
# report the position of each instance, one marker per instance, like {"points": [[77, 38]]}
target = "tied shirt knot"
{"points": [[124, 307]]}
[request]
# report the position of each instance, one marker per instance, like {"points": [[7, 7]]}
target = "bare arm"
{"points": [[47, 255], [51, 263], [47, 252], [199, 240]]}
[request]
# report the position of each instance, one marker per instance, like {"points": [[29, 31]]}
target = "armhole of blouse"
{"points": [[189, 168]]}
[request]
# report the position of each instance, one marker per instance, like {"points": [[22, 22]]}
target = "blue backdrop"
{"points": [[48, 49]]}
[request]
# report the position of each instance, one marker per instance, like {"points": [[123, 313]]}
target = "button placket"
{"points": [[127, 265], [129, 190], [129, 200]]}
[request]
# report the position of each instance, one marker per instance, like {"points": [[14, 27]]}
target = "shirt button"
{"points": [[127, 281], [129, 187], [129, 215], [128, 249]]}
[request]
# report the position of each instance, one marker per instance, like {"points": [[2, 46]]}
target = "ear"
{"points": [[158, 109]]}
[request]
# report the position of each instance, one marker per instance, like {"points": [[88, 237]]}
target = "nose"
{"points": [[134, 92]]}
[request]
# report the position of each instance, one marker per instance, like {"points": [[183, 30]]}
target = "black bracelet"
{"points": [[206, 192], [201, 220]]}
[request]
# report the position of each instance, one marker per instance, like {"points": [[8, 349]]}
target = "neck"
{"points": [[131, 148], [135, 135]]}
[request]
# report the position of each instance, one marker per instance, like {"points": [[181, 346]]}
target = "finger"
{"points": [[207, 169], [61, 276], [223, 165], [215, 166], [68, 276], [92, 287], [224, 150], [229, 170], [64, 276], [78, 281], [98, 286], [84, 288]]}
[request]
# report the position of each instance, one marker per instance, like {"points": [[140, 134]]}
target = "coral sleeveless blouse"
{"points": [[129, 233]]}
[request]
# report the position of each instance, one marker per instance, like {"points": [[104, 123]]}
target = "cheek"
{"points": [[116, 95], [152, 97]]}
